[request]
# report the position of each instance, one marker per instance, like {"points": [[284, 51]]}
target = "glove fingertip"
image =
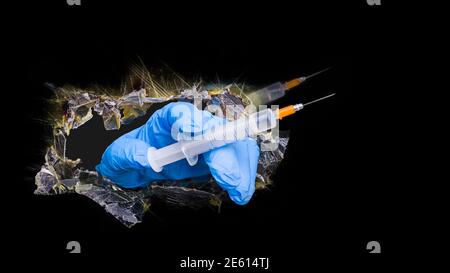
{"points": [[240, 201]]}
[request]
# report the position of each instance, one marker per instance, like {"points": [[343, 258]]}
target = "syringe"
{"points": [[219, 136], [278, 89]]}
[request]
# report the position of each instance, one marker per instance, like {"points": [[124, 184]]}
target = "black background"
{"points": [[332, 192]]}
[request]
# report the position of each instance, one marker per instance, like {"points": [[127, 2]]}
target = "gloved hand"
{"points": [[233, 166]]}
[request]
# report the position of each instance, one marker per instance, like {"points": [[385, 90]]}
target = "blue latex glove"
{"points": [[233, 166]]}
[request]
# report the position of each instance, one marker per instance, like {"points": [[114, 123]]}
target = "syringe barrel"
{"points": [[217, 137], [268, 93]]}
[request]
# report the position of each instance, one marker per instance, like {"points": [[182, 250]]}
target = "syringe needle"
{"points": [[322, 98], [297, 81], [291, 109], [315, 74]]}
